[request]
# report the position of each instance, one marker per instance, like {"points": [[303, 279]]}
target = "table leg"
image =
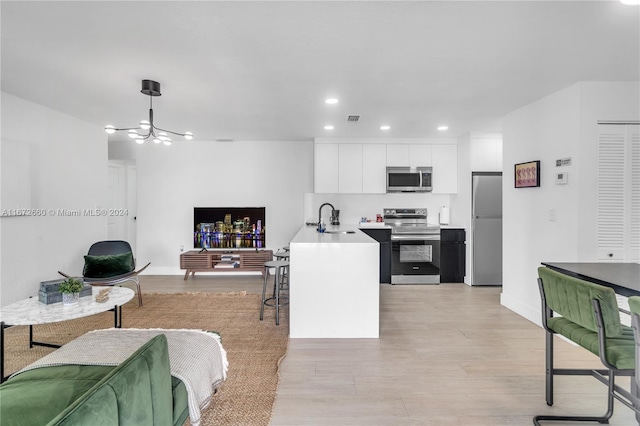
{"points": [[2, 378], [117, 316], [33, 343]]}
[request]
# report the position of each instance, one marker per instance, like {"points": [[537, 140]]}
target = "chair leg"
{"points": [[604, 419], [137, 281], [549, 368]]}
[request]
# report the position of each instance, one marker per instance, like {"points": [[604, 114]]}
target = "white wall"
{"points": [[355, 206], [173, 180], [67, 163], [563, 124]]}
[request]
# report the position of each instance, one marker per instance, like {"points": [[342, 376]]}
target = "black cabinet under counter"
{"points": [[383, 237], [452, 255]]}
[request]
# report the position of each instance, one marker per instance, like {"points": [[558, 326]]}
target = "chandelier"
{"points": [[147, 128]]}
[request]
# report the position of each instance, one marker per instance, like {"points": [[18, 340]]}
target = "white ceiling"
{"points": [[261, 70]]}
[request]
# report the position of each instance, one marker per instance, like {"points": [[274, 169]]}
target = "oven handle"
{"points": [[415, 237]]}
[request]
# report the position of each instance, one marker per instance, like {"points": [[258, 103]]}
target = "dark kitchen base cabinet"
{"points": [[452, 255], [382, 236]]}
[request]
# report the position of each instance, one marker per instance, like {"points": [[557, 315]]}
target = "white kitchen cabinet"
{"points": [[445, 169], [356, 168], [374, 170], [350, 168], [398, 155], [412, 155], [326, 168], [420, 155], [618, 193], [486, 155]]}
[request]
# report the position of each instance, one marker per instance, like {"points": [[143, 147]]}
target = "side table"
{"points": [[32, 312]]}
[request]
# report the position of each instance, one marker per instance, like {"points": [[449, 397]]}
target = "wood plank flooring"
{"points": [[448, 354]]}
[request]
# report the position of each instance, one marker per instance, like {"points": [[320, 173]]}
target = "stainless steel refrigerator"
{"points": [[486, 225]]}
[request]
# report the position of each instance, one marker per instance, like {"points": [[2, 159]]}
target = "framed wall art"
{"points": [[527, 175]]}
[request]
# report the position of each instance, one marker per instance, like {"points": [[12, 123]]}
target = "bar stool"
{"points": [[284, 280], [275, 300]]}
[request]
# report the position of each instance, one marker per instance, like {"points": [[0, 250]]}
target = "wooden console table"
{"points": [[213, 261]]}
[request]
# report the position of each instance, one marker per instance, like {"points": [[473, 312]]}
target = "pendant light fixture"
{"points": [[150, 88]]}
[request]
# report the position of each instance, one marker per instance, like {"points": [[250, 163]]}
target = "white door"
{"points": [[618, 189], [132, 195], [116, 223], [122, 203]]}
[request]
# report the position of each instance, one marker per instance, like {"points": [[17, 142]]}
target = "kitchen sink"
{"points": [[339, 232]]}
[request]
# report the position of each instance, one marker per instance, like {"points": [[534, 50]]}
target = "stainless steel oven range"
{"points": [[415, 247]]}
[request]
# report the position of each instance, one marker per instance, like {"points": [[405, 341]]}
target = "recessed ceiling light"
{"points": [[331, 101], [328, 127], [385, 127], [443, 128], [630, 2]]}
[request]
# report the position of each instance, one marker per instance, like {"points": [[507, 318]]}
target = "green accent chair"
{"points": [[588, 315], [110, 263]]}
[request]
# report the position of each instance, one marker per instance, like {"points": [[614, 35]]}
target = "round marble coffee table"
{"points": [[32, 312]]}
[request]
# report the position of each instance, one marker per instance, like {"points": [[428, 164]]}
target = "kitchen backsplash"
{"points": [[354, 206]]}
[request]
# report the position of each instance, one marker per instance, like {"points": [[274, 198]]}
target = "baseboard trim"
{"points": [[529, 312]]}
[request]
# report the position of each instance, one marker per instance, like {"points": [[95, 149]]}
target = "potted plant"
{"points": [[70, 289]]}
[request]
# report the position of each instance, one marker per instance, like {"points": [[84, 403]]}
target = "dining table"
{"points": [[622, 277]]}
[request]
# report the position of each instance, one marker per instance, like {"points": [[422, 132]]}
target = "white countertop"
{"points": [[374, 225], [308, 234]]}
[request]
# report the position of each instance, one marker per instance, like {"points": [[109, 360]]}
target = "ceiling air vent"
{"points": [[353, 118]]}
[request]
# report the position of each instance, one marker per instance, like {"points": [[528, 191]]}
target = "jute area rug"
{"points": [[254, 348]]}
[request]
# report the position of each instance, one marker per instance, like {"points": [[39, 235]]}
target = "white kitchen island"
{"points": [[335, 289]]}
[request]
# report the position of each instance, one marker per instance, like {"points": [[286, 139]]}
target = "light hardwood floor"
{"points": [[448, 354]]}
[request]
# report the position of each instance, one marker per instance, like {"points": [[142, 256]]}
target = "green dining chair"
{"points": [[587, 314]]}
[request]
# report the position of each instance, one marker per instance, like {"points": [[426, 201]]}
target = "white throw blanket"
{"points": [[196, 357]]}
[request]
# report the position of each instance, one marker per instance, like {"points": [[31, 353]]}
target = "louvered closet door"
{"points": [[633, 135], [618, 193]]}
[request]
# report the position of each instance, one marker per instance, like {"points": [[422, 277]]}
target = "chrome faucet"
{"points": [[320, 213]]}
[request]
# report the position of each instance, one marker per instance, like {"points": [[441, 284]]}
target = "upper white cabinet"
{"points": [[397, 155], [350, 168], [486, 154], [326, 168], [445, 169], [420, 155], [411, 155], [374, 168], [357, 168]]}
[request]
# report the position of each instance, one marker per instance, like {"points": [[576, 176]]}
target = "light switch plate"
{"points": [[562, 178]]}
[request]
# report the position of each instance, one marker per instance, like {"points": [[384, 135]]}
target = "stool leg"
{"points": [[284, 282], [277, 291], [264, 292]]}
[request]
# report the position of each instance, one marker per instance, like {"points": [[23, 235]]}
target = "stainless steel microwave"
{"points": [[409, 179]]}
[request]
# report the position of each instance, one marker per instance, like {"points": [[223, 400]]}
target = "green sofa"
{"points": [[140, 391]]}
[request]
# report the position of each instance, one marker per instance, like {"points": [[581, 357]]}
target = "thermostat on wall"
{"points": [[562, 178]]}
